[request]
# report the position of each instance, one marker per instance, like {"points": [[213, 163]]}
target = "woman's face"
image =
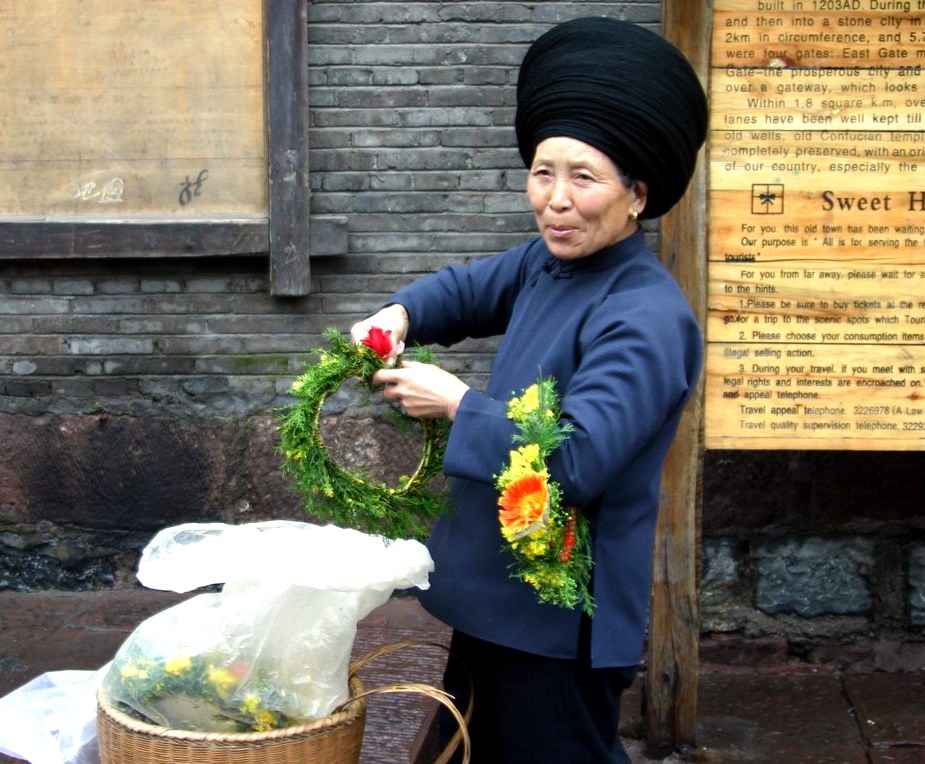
{"points": [[580, 201]]}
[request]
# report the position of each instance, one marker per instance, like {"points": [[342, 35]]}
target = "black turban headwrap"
{"points": [[622, 89]]}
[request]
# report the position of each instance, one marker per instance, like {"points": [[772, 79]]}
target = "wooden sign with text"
{"points": [[816, 304], [132, 111]]}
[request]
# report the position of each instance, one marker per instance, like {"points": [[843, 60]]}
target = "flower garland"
{"points": [[551, 543], [350, 498], [212, 691]]}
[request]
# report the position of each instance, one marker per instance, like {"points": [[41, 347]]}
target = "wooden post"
{"points": [[287, 63], [674, 631]]}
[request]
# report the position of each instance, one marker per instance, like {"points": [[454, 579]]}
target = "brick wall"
{"points": [[140, 393]]}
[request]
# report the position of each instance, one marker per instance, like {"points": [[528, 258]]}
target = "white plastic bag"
{"points": [[52, 718], [273, 648], [293, 596]]}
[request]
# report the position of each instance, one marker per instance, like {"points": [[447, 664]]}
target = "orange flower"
{"points": [[524, 503]]}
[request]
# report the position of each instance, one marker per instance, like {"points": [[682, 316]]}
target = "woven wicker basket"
{"points": [[336, 739]]}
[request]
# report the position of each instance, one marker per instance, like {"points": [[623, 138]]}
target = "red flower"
{"points": [[379, 341], [568, 542]]}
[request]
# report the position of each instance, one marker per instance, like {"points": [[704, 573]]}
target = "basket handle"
{"points": [[444, 698]]}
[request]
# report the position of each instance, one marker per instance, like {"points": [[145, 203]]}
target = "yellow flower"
{"points": [[297, 385], [519, 408], [536, 547], [131, 671], [250, 703], [221, 679], [265, 720], [177, 665], [524, 461], [531, 399]]}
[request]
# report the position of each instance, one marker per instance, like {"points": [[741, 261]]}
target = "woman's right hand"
{"points": [[392, 319]]}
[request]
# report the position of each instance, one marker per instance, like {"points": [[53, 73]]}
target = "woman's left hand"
{"points": [[422, 390]]}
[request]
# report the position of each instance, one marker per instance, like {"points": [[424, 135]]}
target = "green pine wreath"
{"points": [[351, 498]]}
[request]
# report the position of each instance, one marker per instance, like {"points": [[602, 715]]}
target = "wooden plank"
{"points": [[674, 633], [125, 111], [67, 240], [815, 325], [145, 129], [287, 68], [327, 237]]}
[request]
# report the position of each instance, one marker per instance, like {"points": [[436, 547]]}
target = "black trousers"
{"points": [[534, 710]]}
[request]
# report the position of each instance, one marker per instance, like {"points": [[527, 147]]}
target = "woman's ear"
{"points": [[641, 190]]}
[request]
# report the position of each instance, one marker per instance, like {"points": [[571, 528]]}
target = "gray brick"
{"points": [[478, 136], [444, 75], [917, 585], [345, 181], [495, 158], [24, 368], [14, 325], [375, 13], [31, 345], [260, 364], [487, 75], [110, 304], [209, 284], [331, 139], [396, 139], [390, 76], [814, 576], [382, 98], [27, 388], [505, 203], [30, 286], [73, 387], [445, 97], [159, 286], [393, 181], [74, 286], [148, 365], [323, 98], [721, 561], [71, 324], [116, 387], [362, 284], [340, 78], [12, 306], [205, 385], [353, 161], [117, 286], [478, 243], [107, 345]]}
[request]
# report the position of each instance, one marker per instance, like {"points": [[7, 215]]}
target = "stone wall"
{"points": [[817, 555], [136, 393]]}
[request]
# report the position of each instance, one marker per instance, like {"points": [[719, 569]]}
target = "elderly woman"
{"points": [[610, 118]]}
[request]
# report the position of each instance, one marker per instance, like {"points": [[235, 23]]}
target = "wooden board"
{"points": [[137, 110], [816, 304]]}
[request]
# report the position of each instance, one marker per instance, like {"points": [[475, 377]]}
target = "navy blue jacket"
{"points": [[616, 332]]}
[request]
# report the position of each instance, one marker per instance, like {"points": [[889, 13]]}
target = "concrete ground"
{"points": [[768, 714]]}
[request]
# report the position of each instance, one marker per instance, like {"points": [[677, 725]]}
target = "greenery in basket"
{"points": [[211, 692]]}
